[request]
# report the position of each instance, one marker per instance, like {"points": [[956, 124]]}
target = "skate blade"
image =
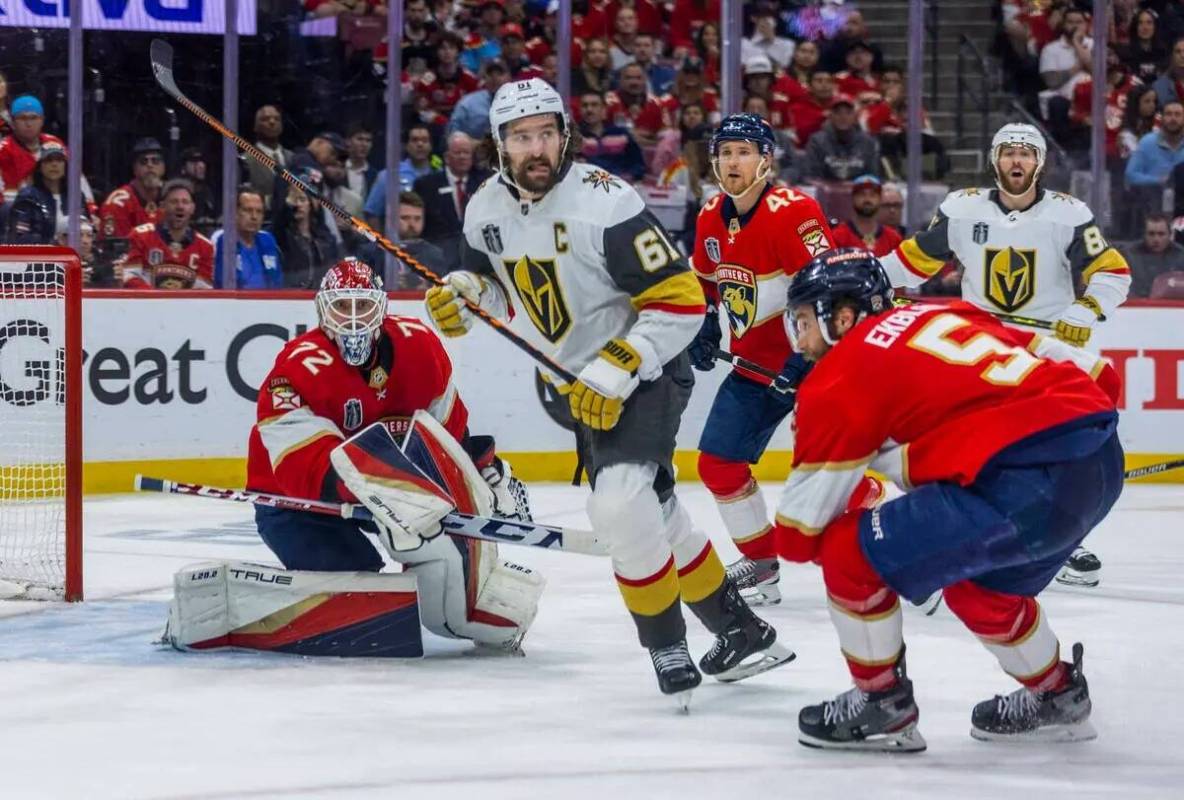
{"points": [[772, 656], [1083, 731], [761, 597], [683, 701], [906, 740], [1078, 579]]}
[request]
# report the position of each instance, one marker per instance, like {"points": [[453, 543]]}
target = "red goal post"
{"points": [[40, 422]]}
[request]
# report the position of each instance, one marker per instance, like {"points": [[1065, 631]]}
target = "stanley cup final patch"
{"points": [[493, 238], [711, 245]]}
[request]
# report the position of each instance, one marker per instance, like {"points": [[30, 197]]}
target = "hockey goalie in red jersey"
{"points": [[359, 367], [749, 241], [1007, 445]]}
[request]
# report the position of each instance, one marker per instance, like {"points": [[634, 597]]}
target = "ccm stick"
{"points": [[162, 68], [503, 531]]}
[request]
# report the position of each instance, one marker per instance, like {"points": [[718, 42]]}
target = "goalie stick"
{"points": [[502, 531], [162, 68]]}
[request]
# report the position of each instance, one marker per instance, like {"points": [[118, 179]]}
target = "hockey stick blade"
{"points": [[505, 531], [162, 68]]}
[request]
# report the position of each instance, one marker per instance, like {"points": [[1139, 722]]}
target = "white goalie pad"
{"points": [[405, 501], [238, 604]]}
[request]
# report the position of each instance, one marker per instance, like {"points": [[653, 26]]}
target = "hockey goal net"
{"points": [[40, 423]]}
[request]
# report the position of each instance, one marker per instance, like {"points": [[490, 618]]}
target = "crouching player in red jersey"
{"points": [[749, 241], [358, 367], [1007, 445]]}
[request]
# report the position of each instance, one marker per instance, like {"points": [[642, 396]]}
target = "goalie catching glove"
{"points": [[446, 303], [1077, 322], [604, 385]]}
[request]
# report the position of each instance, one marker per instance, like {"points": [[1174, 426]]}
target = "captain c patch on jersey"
{"points": [[737, 292], [1009, 276]]}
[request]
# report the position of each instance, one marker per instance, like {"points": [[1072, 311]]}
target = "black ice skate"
{"points": [[1025, 716], [1082, 569], [676, 671], [746, 647], [757, 580], [857, 720]]}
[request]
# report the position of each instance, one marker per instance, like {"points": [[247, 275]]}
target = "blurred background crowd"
{"points": [[645, 92]]}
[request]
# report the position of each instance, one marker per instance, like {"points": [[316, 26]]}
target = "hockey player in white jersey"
{"points": [[569, 255], [1024, 250]]}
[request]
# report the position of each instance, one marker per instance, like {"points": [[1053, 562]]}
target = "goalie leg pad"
{"points": [[454, 575], [442, 459], [346, 614]]}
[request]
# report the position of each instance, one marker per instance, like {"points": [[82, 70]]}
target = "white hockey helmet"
{"points": [[519, 99], [1017, 134]]}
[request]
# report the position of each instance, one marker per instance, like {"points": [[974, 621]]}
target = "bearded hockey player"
{"points": [[1009, 465], [1026, 251], [569, 255], [358, 367], [749, 241]]}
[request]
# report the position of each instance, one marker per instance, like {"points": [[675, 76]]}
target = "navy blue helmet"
{"points": [[850, 273], [744, 128]]}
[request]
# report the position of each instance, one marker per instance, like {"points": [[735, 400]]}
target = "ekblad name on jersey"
{"points": [[312, 400], [745, 263], [1015, 261], [584, 264]]}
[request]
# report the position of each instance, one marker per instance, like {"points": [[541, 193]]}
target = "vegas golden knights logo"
{"points": [[1010, 279], [537, 285]]}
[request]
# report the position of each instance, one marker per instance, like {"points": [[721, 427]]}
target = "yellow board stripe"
{"points": [[701, 579], [682, 290], [653, 597], [1110, 260], [108, 477]]}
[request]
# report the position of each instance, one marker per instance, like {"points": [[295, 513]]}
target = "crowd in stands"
{"points": [[645, 98], [1047, 51]]}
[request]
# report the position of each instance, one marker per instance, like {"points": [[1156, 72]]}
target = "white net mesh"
{"points": [[32, 429]]}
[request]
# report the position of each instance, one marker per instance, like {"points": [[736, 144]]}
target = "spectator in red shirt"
{"points": [[333, 8], [810, 112], [689, 88], [19, 151], [609, 147], [170, 254], [686, 19], [588, 22], [864, 229], [633, 107], [5, 111], [649, 16], [888, 119], [514, 53], [858, 80], [758, 82], [444, 87], [1119, 83], [707, 45], [135, 203], [794, 85]]}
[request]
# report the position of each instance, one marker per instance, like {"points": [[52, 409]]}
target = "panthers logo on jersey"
{"points": [[737, 291], [1010, 276], [537, 285]]}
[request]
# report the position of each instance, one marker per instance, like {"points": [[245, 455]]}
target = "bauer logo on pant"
{"points": [[1010, 277], [737, 290], [538, 286]]}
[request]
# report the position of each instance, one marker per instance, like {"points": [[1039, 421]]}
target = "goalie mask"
{"points": [[351, 305], [518, 100], [1017, 134]]}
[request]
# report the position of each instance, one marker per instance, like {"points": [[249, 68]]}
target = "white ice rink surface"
{"points": [[89, 708]]}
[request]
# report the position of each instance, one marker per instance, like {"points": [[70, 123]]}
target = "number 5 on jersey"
{"points": [[934, 339]]}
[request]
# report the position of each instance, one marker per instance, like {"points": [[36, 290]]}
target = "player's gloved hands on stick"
{"points": [[603, 386], [446, 304], [1076, 323], [702, 348], [785, 386]]}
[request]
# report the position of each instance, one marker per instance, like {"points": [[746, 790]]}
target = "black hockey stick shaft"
{"points": [[504, 531], [744, 363], [162, 68], [1152, 469]]}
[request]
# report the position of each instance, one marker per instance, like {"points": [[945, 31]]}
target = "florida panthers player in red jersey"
{"points": [[360, 366], [748, 242], [1008, 444]]}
